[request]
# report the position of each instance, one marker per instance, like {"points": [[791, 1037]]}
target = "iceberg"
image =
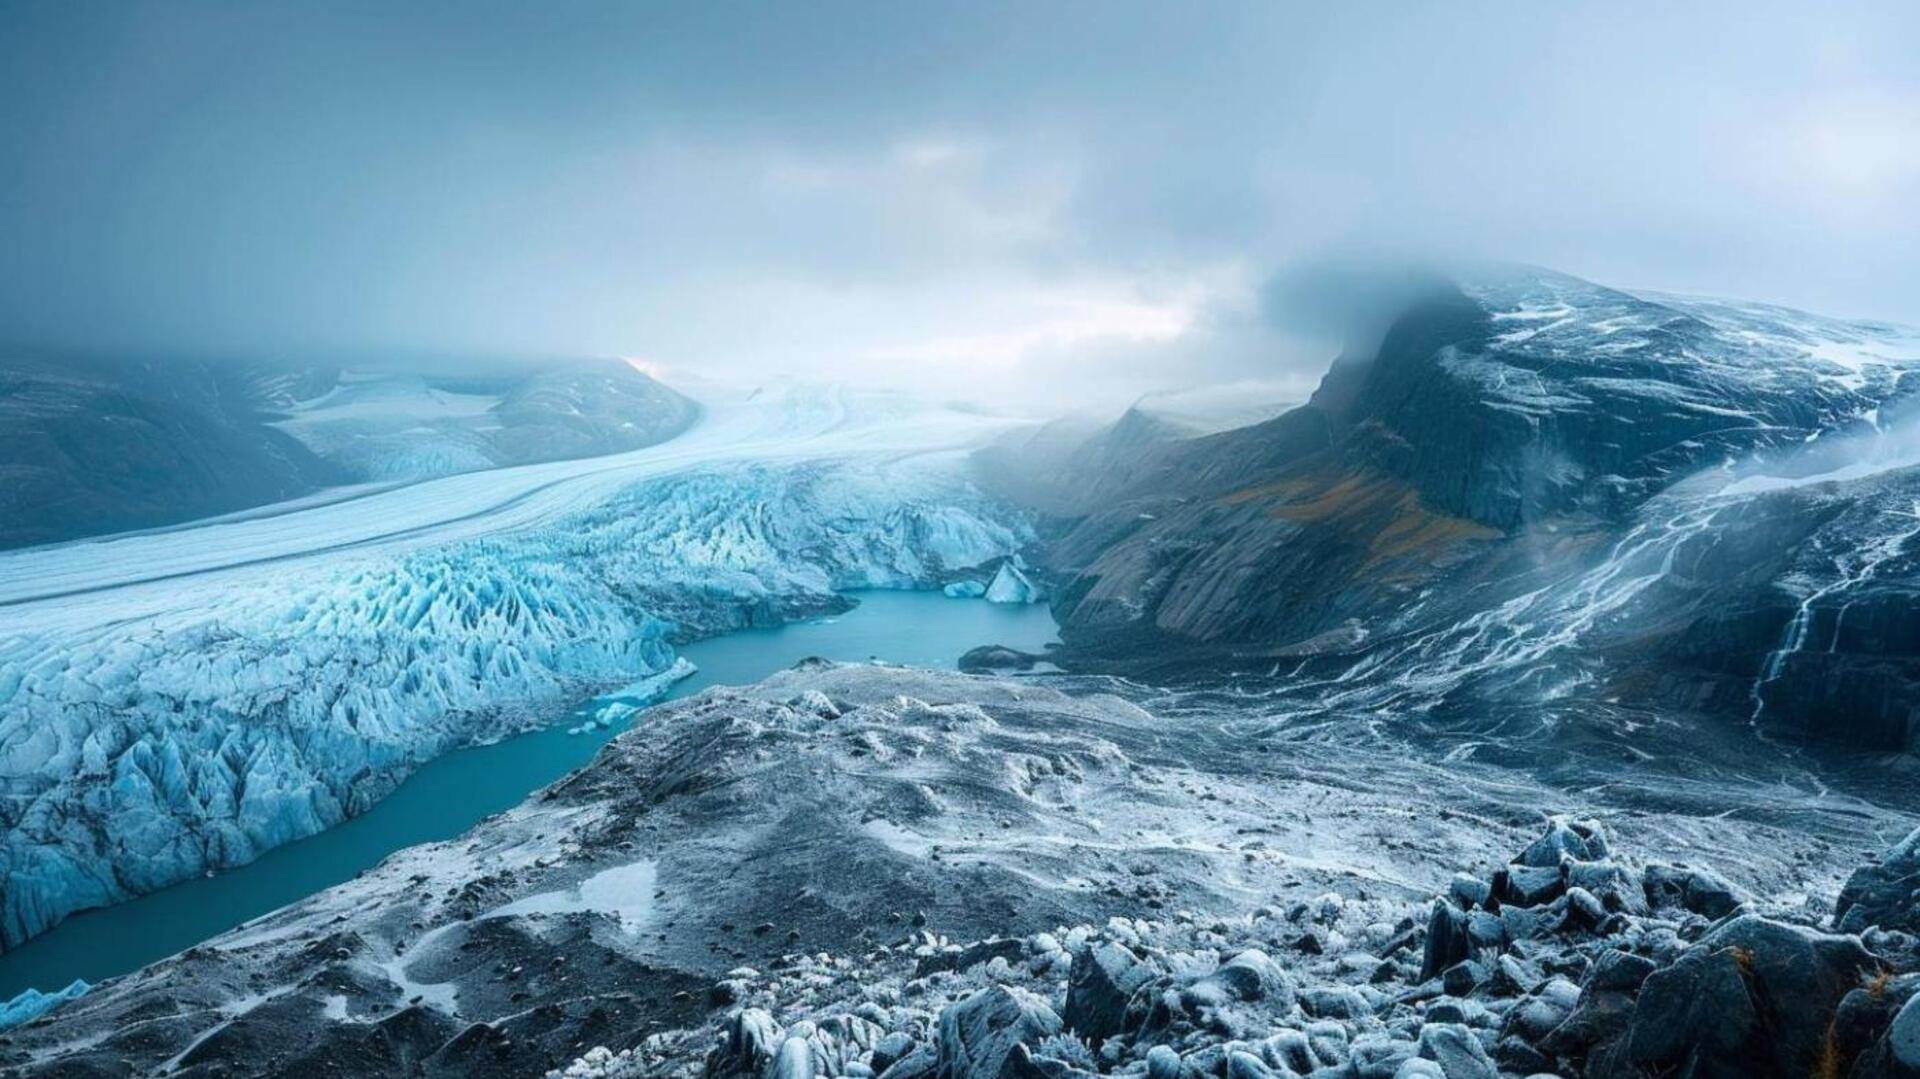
{"points": [[1010, 585]]}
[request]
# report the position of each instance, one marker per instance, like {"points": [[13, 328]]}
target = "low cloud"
{"points": [[1056, 206]]}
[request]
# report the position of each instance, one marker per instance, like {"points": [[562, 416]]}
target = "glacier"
{"points": [[32, 1003], [206, 694]]}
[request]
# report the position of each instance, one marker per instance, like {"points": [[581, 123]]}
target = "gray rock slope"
{"points": [[849, 867], [1536, 499]]}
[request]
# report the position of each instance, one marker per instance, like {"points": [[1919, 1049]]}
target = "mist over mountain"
{"points": [[1078, 203]]}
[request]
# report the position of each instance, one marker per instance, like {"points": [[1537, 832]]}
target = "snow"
{"points": [[624, 892], [182, 700]]}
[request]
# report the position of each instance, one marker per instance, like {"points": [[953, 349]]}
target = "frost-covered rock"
{"points": [[978, 1036], [1885, 893]]}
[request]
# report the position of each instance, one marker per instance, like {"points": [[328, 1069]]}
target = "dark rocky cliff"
{"points": [[1529, 493]]}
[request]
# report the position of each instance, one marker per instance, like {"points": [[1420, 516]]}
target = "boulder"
{"points": [[1447, 939], [1530, 886], [1903, 1041], [979, 1034], [1701, 891], [1885, 894], [1580, 840], [752, 1039], [890, 1049], [1866, 1015], [1335, 1002], [1164, 1063], [1753, 996], [1103, 978], [1457, 1051], [794, 1060], [1698, 1009], [1249, 976]]}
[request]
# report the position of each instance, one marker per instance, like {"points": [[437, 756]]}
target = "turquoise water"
{"points": [[447, 796]]}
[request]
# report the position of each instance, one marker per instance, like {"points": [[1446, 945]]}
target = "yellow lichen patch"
{"points": [[1386, 518], [1828, 1064], [1877, 985]]}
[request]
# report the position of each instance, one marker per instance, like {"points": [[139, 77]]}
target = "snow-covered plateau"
{"points": [[180, 701]]}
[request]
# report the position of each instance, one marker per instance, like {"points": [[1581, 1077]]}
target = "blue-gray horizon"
{"points": [[1062, 200]]}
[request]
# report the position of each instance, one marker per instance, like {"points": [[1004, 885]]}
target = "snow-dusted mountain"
{"points": [[387, 425], [96, 444], [1539, 505]]}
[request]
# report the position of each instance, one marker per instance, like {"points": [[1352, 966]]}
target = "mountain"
{"points": [[1535, 699], [388, 425], [1536, 499], [94, 444]]}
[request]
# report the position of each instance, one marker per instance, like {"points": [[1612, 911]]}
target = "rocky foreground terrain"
{"points": [[863, 870]]}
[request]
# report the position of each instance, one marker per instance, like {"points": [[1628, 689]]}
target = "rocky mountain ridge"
{"points": [[1536, 495]]}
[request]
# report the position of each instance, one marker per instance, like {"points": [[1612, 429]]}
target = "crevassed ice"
{"points": [[138, 752]]}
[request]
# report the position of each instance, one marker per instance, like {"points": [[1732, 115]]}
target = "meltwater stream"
{"points": [[447, 796]]}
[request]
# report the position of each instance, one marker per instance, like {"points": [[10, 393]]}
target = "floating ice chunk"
{"points": [[1010, 585], [965, 590]]}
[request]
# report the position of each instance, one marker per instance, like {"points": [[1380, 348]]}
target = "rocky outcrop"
{"points": [[1621, 984], [867, 870], [1537, 500], [1885, 894]]}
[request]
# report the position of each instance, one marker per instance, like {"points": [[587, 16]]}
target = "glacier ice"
{"points": [[967, 589], [1010, 585], [32, 1003], [139, 749]]}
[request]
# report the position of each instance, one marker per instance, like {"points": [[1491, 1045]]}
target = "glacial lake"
{"points": [[449, 795]]}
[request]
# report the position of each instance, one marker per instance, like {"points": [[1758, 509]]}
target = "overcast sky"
{"points": [[967, 196]]}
